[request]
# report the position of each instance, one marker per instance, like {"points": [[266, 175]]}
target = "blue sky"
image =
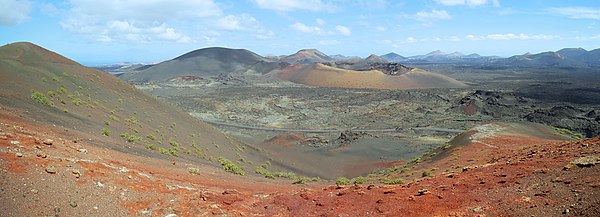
{"points": [[95, 32]]}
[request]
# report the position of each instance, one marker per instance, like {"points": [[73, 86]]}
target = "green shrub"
{"points": [[150, 136], [265, 172], [105, 132], [359, 180], [426, 173], [130, 137], [106, 122], [152, 146], [51, 93], [230, 167], [342, 181], [194, 170], [41, 98], [132, 120], [393, 181], [76, 101]]}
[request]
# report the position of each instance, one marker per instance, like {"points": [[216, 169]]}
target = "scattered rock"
{"points": [[566, 211], [41, 154], [171, 215], [73, 204], [48, 142], [423, 192], [15, 142], [477, 209], [35, 191], [51, 169], [230, 191], [76, 173], [19, 154], [587, 161], [83, 150]]}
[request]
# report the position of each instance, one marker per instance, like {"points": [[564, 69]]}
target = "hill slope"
{"points": [[305, 56], [326, 76], [88, 104], [211, 61]]}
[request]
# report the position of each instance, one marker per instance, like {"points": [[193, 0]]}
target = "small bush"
{"points": [[393, 181], [152, 147], [51, 93], [342, 181], [150, 136], [105, 132], [77, 101], [131, 138], [359, 180], [41, 98], [194, 170], [265, 172], [132, 120], [106, 122], [230, 167], [426, 173]]}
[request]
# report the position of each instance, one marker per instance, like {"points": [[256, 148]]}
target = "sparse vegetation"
{"points": [[393, 181], [230, 167], [152, 146], [150, 136], [77, 101], [41, 98], [342, 181], [265, 172], [194, 170], [426, 173], [105, 132], [130, 137]]}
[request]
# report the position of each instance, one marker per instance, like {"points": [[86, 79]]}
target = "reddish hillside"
{"points": [[492, 170], [326, 76]]}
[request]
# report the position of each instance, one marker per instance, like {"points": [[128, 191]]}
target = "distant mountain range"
{"points": [[309, 66], [224, 61], [567, 57]]}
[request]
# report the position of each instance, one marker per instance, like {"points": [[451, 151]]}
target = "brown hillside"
{"points": [[326, 76], [86, 104]]}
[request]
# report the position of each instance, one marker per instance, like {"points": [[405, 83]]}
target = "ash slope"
{"points": [[326, 76], [89, 104], [205, 62]]}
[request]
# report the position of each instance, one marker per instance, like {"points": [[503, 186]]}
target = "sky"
{"points": [[147, 31]]}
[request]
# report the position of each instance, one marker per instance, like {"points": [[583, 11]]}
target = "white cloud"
{"points": [[380, 28], [142, 21], [306, 29], [320, 21], [511, 36], [245, 23], [577, 12], [136, 21], [13, 12], [291, 5], [470, 3], [431, 16], [343, 30], [329, 42]]}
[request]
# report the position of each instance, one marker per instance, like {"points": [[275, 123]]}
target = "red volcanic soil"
{"points": [[493, 170]]}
